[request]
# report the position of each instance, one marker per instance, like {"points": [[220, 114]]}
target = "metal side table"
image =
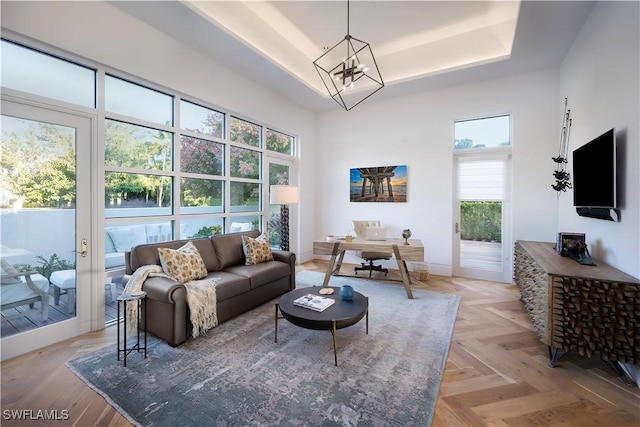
{"points": [[141, 300]]}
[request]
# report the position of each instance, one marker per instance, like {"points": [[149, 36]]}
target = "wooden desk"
{"points": [[414, 251]]}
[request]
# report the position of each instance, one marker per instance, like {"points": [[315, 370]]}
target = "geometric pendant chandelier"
{"points": [[349, 71]]}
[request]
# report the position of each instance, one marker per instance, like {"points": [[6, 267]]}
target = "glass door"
{"points": [[481, 238], [481, 214], [45, 226]]}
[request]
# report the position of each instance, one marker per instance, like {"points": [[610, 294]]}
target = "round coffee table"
{"points": [[341, 314]]}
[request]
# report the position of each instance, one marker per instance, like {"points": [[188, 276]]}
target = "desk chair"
{"points": [[368, 256]]}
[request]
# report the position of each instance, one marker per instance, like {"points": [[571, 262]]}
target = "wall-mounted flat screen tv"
{"points": [[594, 172]]}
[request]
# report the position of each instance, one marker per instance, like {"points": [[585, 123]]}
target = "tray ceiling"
{"points": [[418, 45]]}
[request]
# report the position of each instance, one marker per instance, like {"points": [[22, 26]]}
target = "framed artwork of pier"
{"points": [[378, 184]]}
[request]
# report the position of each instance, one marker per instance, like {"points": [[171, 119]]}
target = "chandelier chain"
{"points": [[348, 17]]}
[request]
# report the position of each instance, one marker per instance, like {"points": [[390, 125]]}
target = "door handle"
{"points": [[457, 228], [83, 248]]}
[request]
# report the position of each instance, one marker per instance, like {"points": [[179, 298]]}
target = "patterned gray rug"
{"points": [[235, 375]]}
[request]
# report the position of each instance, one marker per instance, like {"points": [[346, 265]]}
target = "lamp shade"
{"points": [[283, 195]]}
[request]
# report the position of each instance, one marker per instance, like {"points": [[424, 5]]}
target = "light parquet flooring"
{"points": [[497, 372]]}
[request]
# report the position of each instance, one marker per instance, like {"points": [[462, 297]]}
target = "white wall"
{"points": [[417, 131], [601, 77], [105, 34]]}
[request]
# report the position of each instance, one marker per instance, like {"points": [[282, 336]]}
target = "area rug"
{"points": [[236, 375]]}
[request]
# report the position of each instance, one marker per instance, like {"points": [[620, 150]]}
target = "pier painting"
{"points": [[379, 184]]}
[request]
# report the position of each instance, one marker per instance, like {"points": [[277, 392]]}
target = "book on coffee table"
{"points": [[313, 302]]}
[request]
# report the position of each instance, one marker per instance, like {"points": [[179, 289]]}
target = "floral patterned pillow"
{"points": [[184, 264], [256, 250]]}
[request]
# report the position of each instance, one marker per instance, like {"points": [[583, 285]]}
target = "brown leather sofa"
{"points": [[241, 288]]}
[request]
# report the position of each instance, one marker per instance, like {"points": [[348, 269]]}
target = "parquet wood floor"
{"points": [[497, 372]]}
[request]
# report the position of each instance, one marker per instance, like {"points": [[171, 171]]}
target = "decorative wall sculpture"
{"points": [[379, 184], [563, 178]]}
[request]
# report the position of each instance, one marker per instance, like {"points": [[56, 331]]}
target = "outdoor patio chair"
{"points": [[21, 288]]}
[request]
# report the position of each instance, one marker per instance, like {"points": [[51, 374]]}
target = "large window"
{"points": [[198, 176], [169, 161]]}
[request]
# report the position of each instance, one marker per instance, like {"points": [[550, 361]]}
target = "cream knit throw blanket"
{"points": [[201, 299]]}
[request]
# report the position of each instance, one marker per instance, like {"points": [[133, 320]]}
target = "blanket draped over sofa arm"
{"points": [[202, 303], [201, 299]]}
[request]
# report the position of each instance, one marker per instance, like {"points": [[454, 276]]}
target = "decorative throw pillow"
{"points": [[8, 269], [256, 250], [184, 264]]}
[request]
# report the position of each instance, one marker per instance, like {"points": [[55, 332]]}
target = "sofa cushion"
{"points": [[148, 254], [256, 250], [261, 274], [229, 285], [183, 264], [228, 248]]}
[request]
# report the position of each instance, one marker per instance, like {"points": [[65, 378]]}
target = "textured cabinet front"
{"points": [[592, 311], [533, 283], [597, 318]]}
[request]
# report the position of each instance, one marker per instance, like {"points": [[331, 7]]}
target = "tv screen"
{"points": [[594, 172]]}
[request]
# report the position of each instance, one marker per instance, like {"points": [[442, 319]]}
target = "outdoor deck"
{"points": [[481, 255], [24, 318]]}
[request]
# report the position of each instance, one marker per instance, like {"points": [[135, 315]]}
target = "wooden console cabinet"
{"points": [[593, 311]]}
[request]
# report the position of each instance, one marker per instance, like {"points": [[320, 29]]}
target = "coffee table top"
{"points": [[344, 313]]}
